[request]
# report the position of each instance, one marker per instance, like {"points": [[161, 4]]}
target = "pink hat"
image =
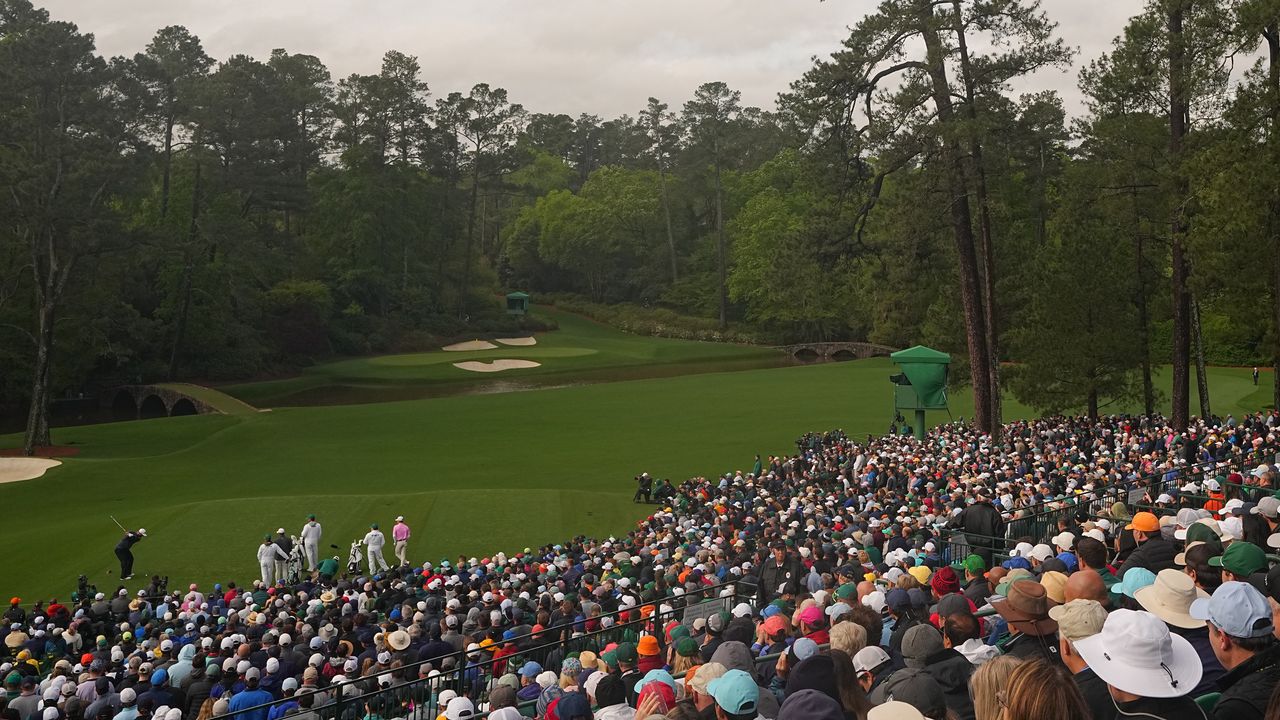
{"points": [[811, 615]]}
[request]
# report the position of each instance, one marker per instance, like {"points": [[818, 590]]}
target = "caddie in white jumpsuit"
{"points": [[268, 554], [311, 542], [374, 540]]}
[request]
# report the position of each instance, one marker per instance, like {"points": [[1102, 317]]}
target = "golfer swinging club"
{"points": [[124, 552]]}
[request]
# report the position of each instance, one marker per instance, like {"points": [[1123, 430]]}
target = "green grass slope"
{"points": [[472, 474]]}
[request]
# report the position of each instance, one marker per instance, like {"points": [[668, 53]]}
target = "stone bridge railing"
{"points": [[837, 350]]}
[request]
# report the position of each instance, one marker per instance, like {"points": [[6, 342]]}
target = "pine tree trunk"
{"points": [[167, 167], [1178, 113], [1272, 35], [961, 222], [1202, 378], [184, 311], [666, 213], [986, 244], [464, 294], [722, 249], [1144, 318], [38, 415]]}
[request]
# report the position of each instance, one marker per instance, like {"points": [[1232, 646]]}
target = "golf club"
{"points": [[117, 522]]}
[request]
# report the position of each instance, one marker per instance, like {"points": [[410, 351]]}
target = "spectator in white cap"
{"points": [[872, 665], [1149, 671], [459, 708], [1241, 631]]}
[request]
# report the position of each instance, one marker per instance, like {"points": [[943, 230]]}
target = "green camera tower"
{"points": [[922, 384]]}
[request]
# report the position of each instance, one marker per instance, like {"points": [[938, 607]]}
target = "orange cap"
{"points": [[1144, 522], [648, 645]]}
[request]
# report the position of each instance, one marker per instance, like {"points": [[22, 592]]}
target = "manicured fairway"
{"points": [[472, 474]]}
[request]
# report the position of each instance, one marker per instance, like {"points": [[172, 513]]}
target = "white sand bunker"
{"points": [[496, 365], [470, 345], [15, 469], [522, 342]]}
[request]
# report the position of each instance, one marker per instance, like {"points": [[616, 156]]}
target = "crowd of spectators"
{"points": [[1072, 569]]}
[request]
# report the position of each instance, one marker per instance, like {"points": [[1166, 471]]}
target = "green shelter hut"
{"points": [[922, 384], [517, 303]]}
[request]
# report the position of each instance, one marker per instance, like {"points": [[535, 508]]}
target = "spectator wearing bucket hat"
{"points": [[1077, 620], [736, 696], [1153, 552], [1169, 598], [1241, 630], [1032, 632], [650, 654], [1149, 671]]}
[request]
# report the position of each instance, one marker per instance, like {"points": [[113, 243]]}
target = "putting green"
{"points": [[579, 351], [472, 474], [436, 358]]}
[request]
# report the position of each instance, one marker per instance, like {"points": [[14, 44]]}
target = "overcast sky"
{"points": [[598, 56]]}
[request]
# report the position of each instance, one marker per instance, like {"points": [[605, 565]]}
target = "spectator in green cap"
{"points": [[976, 587], [1240, 560], [686, 655], [846, 591], [627, 657]]}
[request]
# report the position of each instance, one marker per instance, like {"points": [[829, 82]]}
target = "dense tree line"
{"points": [[169, 215]]}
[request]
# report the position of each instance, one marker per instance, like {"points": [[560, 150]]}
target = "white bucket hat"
{"points": [[1136, 653], [1169, 598]]}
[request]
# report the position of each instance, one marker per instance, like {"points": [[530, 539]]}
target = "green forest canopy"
{"points": [[171, 215]]}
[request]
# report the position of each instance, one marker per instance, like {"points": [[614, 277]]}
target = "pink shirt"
{"points": [[400, 532]]}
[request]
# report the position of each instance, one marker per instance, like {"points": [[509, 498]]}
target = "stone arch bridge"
{"points": [[837, 350], [143, 402]]}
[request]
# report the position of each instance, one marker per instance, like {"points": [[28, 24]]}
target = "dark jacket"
{"points": [[1179, 708], [1247, 687], [952, 671], [1155, 554], [1096, 695], [197, 692], [900, 629], [773, 575], [981, 518], [1211, 680], [978, 590], [1029, 646]]}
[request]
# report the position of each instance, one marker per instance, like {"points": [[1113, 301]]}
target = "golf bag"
{"points": [[294, 563], [353, 560]]}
